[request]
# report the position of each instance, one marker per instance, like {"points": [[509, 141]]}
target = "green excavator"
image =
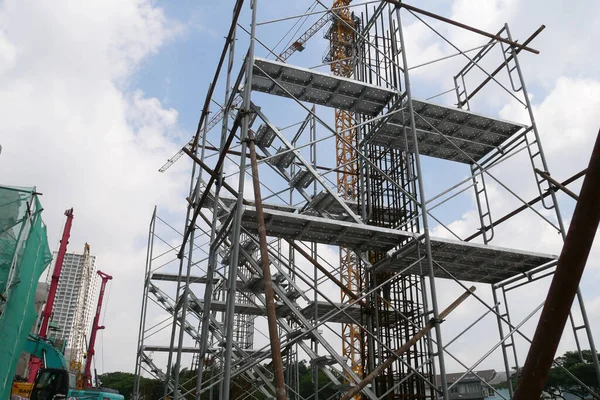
{"points": [[56, 382]]}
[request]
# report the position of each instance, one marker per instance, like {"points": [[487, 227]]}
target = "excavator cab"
{"points": [[59, 384], [52, 384]]}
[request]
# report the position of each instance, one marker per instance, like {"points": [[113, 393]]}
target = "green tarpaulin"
{"points": [[24, 255]]}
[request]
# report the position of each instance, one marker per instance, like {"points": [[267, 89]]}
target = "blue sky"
{"points": [[97, 96]]}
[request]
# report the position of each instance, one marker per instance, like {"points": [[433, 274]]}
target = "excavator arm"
{"points": [[44, 350]]}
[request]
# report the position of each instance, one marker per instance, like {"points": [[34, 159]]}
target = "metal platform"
{"points": [[194, 279], [239, 308], [474, 134], [322, 230], [230, 202], [466, 261], [323, 203], [283, 310], [352, 313], [214, 350], [174, 278], [167, 348], [319, 88]]}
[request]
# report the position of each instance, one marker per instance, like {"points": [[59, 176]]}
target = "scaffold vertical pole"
{"points": [[212, 252], [580, 301], [267, 281], [423, 206], [237, 222], [141, 332], [501, 331]]}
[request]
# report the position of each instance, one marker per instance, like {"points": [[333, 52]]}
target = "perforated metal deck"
{"points": [[239, 308], [322, 230], [282, 310], [351, 314], [319, 88], [474, 134], [175, 277], [466, 261], [184, 349]]}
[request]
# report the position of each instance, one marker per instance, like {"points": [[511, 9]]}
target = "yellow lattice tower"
{"points": [[342, 39]]}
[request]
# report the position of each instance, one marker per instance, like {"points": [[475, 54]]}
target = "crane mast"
{"points": [[87, 375], [342, 60], [34, 362]]}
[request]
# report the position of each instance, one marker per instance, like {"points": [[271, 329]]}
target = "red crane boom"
{"points": [[87, 375], [34, 362]]}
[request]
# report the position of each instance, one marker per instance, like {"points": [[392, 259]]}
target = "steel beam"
{"points": [[565, 283]]}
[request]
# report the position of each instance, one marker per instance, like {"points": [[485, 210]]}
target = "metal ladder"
{"points": [[483, 204]]}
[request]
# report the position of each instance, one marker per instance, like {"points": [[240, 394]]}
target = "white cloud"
{"points": [[568, 119], [8, 53], [71, 129]]}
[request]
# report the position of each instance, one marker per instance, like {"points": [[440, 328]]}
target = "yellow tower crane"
{"points": [[342, 58]]}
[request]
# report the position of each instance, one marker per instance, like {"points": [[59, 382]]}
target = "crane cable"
{"points": [[310, 8], [295, 34]]}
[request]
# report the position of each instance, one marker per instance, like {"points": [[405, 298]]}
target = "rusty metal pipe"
{"points": [[405, 347], [268, 283], [237, 9], [524, 207], [220, 161], [565, 282], [461, 25], [556, 183]]}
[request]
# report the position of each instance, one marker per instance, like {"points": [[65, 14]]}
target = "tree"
{"points": [[560, 383], [153, 389], [124, 383], [307, 385]]}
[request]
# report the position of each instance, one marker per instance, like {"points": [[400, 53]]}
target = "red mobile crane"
{"points": [[87, 375], [35, 363]]}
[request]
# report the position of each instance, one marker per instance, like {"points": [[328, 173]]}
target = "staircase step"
{"points": [[302, 179], [264, 136], [282, 160]]}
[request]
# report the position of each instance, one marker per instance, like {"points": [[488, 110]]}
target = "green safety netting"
{"points": [[24, 255]]}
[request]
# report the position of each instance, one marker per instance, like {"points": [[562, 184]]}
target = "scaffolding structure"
{"points": [[207, 280]]}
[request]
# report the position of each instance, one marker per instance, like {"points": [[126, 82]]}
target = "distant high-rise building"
{"points": [[75, 302]]}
